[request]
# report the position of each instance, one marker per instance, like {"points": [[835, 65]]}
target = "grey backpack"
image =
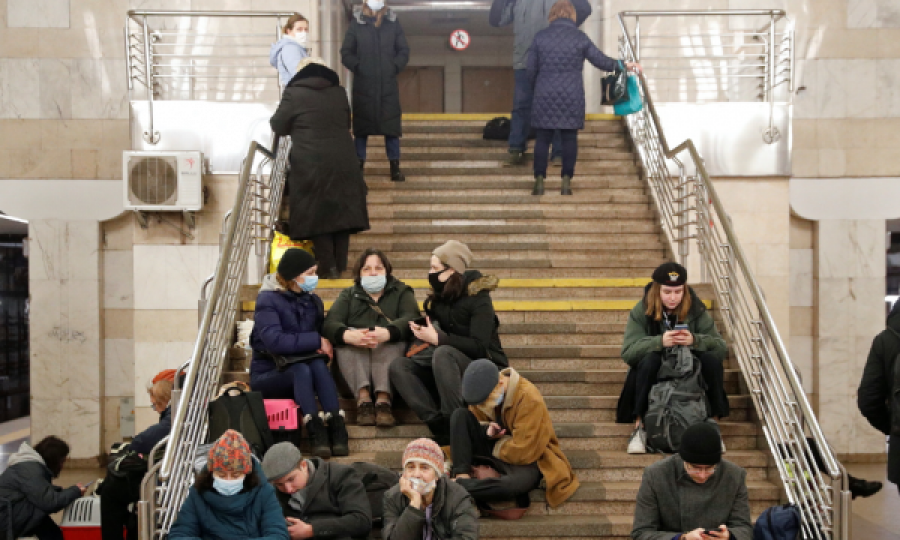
{"points": [[676, 402]]}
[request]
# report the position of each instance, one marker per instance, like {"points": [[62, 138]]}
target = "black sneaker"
{"points": [[318, 436]]}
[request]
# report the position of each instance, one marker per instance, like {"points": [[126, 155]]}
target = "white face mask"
{"points": [[375, 5], [373, 284], [301, 37], [423, 487]]}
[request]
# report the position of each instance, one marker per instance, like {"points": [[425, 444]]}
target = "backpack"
{"points": [[245, 413], [497, 129], [377, 480], [778, 523], [676, 402]]}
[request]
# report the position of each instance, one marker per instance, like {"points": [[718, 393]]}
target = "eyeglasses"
{"points": [[700, 470]]}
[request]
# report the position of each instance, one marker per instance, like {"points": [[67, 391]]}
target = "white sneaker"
{"points": [[638, 442]]}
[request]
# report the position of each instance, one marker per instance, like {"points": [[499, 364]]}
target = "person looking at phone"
{"points": [[425, 505], [669, 315], [694, 494], [460, 326]]}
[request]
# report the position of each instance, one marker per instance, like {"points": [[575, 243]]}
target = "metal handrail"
{"points": [[691, 211]]}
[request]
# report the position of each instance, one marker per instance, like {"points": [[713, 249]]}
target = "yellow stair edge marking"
{"points": [[516, 283], [536, 305], [434, 117]]}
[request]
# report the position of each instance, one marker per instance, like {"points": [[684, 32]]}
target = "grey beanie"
{"points": [[281, 459], [479, 381]]}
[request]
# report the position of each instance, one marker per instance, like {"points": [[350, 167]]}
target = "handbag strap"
{"points": [[378, 311]]}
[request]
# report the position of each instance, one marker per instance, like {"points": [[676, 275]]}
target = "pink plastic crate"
{"points": [[282, 413]]}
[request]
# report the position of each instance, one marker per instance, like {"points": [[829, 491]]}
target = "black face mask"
{"points": [[436, 283]]}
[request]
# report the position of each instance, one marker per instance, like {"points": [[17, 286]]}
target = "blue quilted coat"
{"points": [[555, 65]]}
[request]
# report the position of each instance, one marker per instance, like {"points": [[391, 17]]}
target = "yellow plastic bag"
{"points": [[282, 243]]}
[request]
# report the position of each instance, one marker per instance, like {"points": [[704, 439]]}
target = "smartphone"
{"points": [[420, 321], [89, 484], [710, 533], [680, 327]]}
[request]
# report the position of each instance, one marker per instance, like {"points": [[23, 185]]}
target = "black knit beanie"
{"points": [[671, 274], [701, 444], [294, 262]]}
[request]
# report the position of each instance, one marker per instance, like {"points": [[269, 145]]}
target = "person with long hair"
{"points": [[288, 324], [460, 326], [27, 483], [230, 497], [668, 302], [368, 325]]}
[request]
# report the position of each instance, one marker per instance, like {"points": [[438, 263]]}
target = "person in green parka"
{"points": [[668, 301], [368, 325]]}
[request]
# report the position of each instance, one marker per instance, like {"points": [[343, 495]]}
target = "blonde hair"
{"points": [[562, 9], [655, 305], [311, 60], [161, 393]]}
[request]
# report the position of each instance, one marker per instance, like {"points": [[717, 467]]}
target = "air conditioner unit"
{"points": [[163, 181]]}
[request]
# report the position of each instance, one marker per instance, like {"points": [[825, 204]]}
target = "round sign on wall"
{"points": [[460, 40]]}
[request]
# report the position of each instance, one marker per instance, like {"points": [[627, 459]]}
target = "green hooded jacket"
{"points": [[354, 308], [643, 335]]}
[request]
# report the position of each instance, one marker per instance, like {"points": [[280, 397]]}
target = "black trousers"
{"points": [[46, 529], [713, 374], [415, 383], [115, 496], [331, 251], [468, 442]]}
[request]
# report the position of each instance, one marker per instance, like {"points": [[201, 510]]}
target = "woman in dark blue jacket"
{"points": [[555, 65], [230, 498], [288, 323]]}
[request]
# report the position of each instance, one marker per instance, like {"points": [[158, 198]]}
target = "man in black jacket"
{"points": [[319, 499]]}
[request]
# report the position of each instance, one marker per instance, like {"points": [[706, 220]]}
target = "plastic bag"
{"points": [[282, 243]]}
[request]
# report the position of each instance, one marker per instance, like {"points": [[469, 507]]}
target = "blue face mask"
{"points": [[228, 487], [373, 284], [499, 400], [309, 283]]}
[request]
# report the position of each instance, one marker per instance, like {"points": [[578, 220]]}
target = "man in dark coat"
{"points": [[876, 390], [375, 50], [328, 193]]}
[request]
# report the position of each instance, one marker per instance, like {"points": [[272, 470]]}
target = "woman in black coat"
{"points": [[328, 193], [375, 50]]}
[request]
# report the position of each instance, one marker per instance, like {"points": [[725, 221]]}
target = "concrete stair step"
{"points": [[546, 259], [605, 527], [530, 294], [435, 212], [514, 226], [464, 154], [425, 243], [578, 364], [477, 127], [489, 168], [462, 140], [512, 179], [521, 195]]}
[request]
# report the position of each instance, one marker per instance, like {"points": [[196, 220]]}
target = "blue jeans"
{"points": [[301, 382], [520, 123], [569, 150], [391, 144]]}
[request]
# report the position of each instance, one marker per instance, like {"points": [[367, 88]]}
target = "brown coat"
{"points": [[532, 438]]}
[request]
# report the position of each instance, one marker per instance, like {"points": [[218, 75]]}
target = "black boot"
{"points": [[863, 488], [396, 174], [538, 185], [566, 185], [337, 431], [440, 430], [318, 436]]}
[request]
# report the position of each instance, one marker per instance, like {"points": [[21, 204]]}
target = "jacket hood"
{"points": [[315, 76], [269, 283], [893, 318], [475, 282], [26, 454], [278, 46]]}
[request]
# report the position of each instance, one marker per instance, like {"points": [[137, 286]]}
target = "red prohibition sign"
{"points": [[460, 40]]}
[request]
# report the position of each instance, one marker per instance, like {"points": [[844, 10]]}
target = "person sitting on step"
{"points": [[507, 420], [230, 497], [694, 494], [668, 301], [287, 331], [369, 327], [319, 499], [425, 505], [460, 326]]}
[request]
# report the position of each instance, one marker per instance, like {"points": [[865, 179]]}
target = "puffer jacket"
{"points": [[877, 388], [469, 323], [208, 515], [27, 492], [285, 323], [285, 55], [529, 17], [453, 514], [354, 308]]}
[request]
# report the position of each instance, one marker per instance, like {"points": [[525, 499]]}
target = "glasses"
{"points": [[700, 470]]}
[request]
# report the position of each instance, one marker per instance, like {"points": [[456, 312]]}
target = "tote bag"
{"points": [[634, 103]]}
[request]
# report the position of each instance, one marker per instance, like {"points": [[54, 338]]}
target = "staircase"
{"points": [[571, 269]]}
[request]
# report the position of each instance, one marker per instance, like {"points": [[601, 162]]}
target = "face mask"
{"points": [[421, 486], [499, 400], [309, 283], [300, 37], [436, 283], [375, 5], [228, 487], [373, 284]]}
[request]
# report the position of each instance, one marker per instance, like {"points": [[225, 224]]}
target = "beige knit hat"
{"points": [[454, 254], [311, 60]]}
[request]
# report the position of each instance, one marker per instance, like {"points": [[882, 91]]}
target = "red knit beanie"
{"points": [[425, 451], [230, 454]]}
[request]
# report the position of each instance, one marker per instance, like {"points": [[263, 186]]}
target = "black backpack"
{"points": [[244, 413], [497, 129], [676, 402], [377, 480]]}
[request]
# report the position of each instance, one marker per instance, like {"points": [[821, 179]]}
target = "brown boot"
{"points": [[365, 414], [383, 415]]}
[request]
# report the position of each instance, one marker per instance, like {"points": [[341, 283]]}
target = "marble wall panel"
{"points": [[888, 86], [118, 358], [118, 323], [80, 334], [169, 277], [835, 403], [801, 350], [151, 358], [144, 417], [37, 13], [801, 277], [20, 88], [118, 279], [56, 92], [99, 89], [159, 326], [77, 421], [862, 13]]}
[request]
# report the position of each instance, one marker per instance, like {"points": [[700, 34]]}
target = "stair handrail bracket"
{"points": [[691, 212]]}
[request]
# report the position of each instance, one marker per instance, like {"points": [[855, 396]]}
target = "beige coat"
{"points": [[532, 438]]}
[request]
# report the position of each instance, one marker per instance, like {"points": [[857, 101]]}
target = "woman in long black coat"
{"points": [[375, 50], [328, 193]]}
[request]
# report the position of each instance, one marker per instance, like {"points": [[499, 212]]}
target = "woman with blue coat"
{"points": [[230, 498], [288, 323], [555, 66]]}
